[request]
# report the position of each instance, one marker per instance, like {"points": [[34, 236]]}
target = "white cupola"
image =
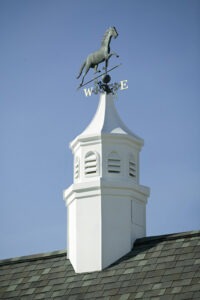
{"points": [[106, 205]]}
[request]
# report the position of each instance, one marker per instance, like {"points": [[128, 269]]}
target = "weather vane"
{"points": [[94, 59]]}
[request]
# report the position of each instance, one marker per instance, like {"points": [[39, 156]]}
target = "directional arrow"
{"points": [[98, 76]]}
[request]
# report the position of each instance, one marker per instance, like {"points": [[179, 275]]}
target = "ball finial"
{"points": [[106, 79]]}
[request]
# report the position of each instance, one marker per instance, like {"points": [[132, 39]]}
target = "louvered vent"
{"points": [[76, 168], [114, 163], [91, 163], [132, 167]]}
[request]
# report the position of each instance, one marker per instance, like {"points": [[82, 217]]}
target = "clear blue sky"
{"points": [[42, 45]]}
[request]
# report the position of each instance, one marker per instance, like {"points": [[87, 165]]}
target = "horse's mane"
{"points": [[105, 36]]}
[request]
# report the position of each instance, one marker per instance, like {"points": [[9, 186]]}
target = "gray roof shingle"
{"points": [[162, 267]]}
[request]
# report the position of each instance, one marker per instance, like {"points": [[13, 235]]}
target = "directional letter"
{"points": [[88, 92], [123, 84]]}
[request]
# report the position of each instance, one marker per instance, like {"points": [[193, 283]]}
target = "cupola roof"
{"points": [[107, 121]]}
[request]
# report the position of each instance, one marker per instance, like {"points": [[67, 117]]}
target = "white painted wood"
{"points": [[106, 205]]}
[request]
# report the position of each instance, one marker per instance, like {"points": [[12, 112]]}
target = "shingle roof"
{"points": [[162, 267]]}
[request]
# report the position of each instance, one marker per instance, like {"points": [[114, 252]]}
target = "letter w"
{"points": [[88, 92]]}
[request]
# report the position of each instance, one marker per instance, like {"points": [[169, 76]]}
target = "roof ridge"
{"points": [[167, 237], [138, 242], [32, 257]]}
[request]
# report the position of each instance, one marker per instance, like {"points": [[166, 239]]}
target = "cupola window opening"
{"points": [[132, 167], [91, 164], [76, 167], [114, 163]]}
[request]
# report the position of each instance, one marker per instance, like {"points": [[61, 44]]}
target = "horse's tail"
{"points": [[81, 69]]}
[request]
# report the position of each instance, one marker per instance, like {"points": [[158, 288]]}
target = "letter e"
{"points": [[123, 84]]}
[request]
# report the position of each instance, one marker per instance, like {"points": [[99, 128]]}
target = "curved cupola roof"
{"points": [[107, 120]]}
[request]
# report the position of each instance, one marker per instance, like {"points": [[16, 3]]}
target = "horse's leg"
{"points": [[107, 59], [96, 69], [87, 67], [114, 53], [106, 64], [81, 70]]}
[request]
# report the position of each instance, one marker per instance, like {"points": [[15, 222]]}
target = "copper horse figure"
{"points": [[99, 56]]}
